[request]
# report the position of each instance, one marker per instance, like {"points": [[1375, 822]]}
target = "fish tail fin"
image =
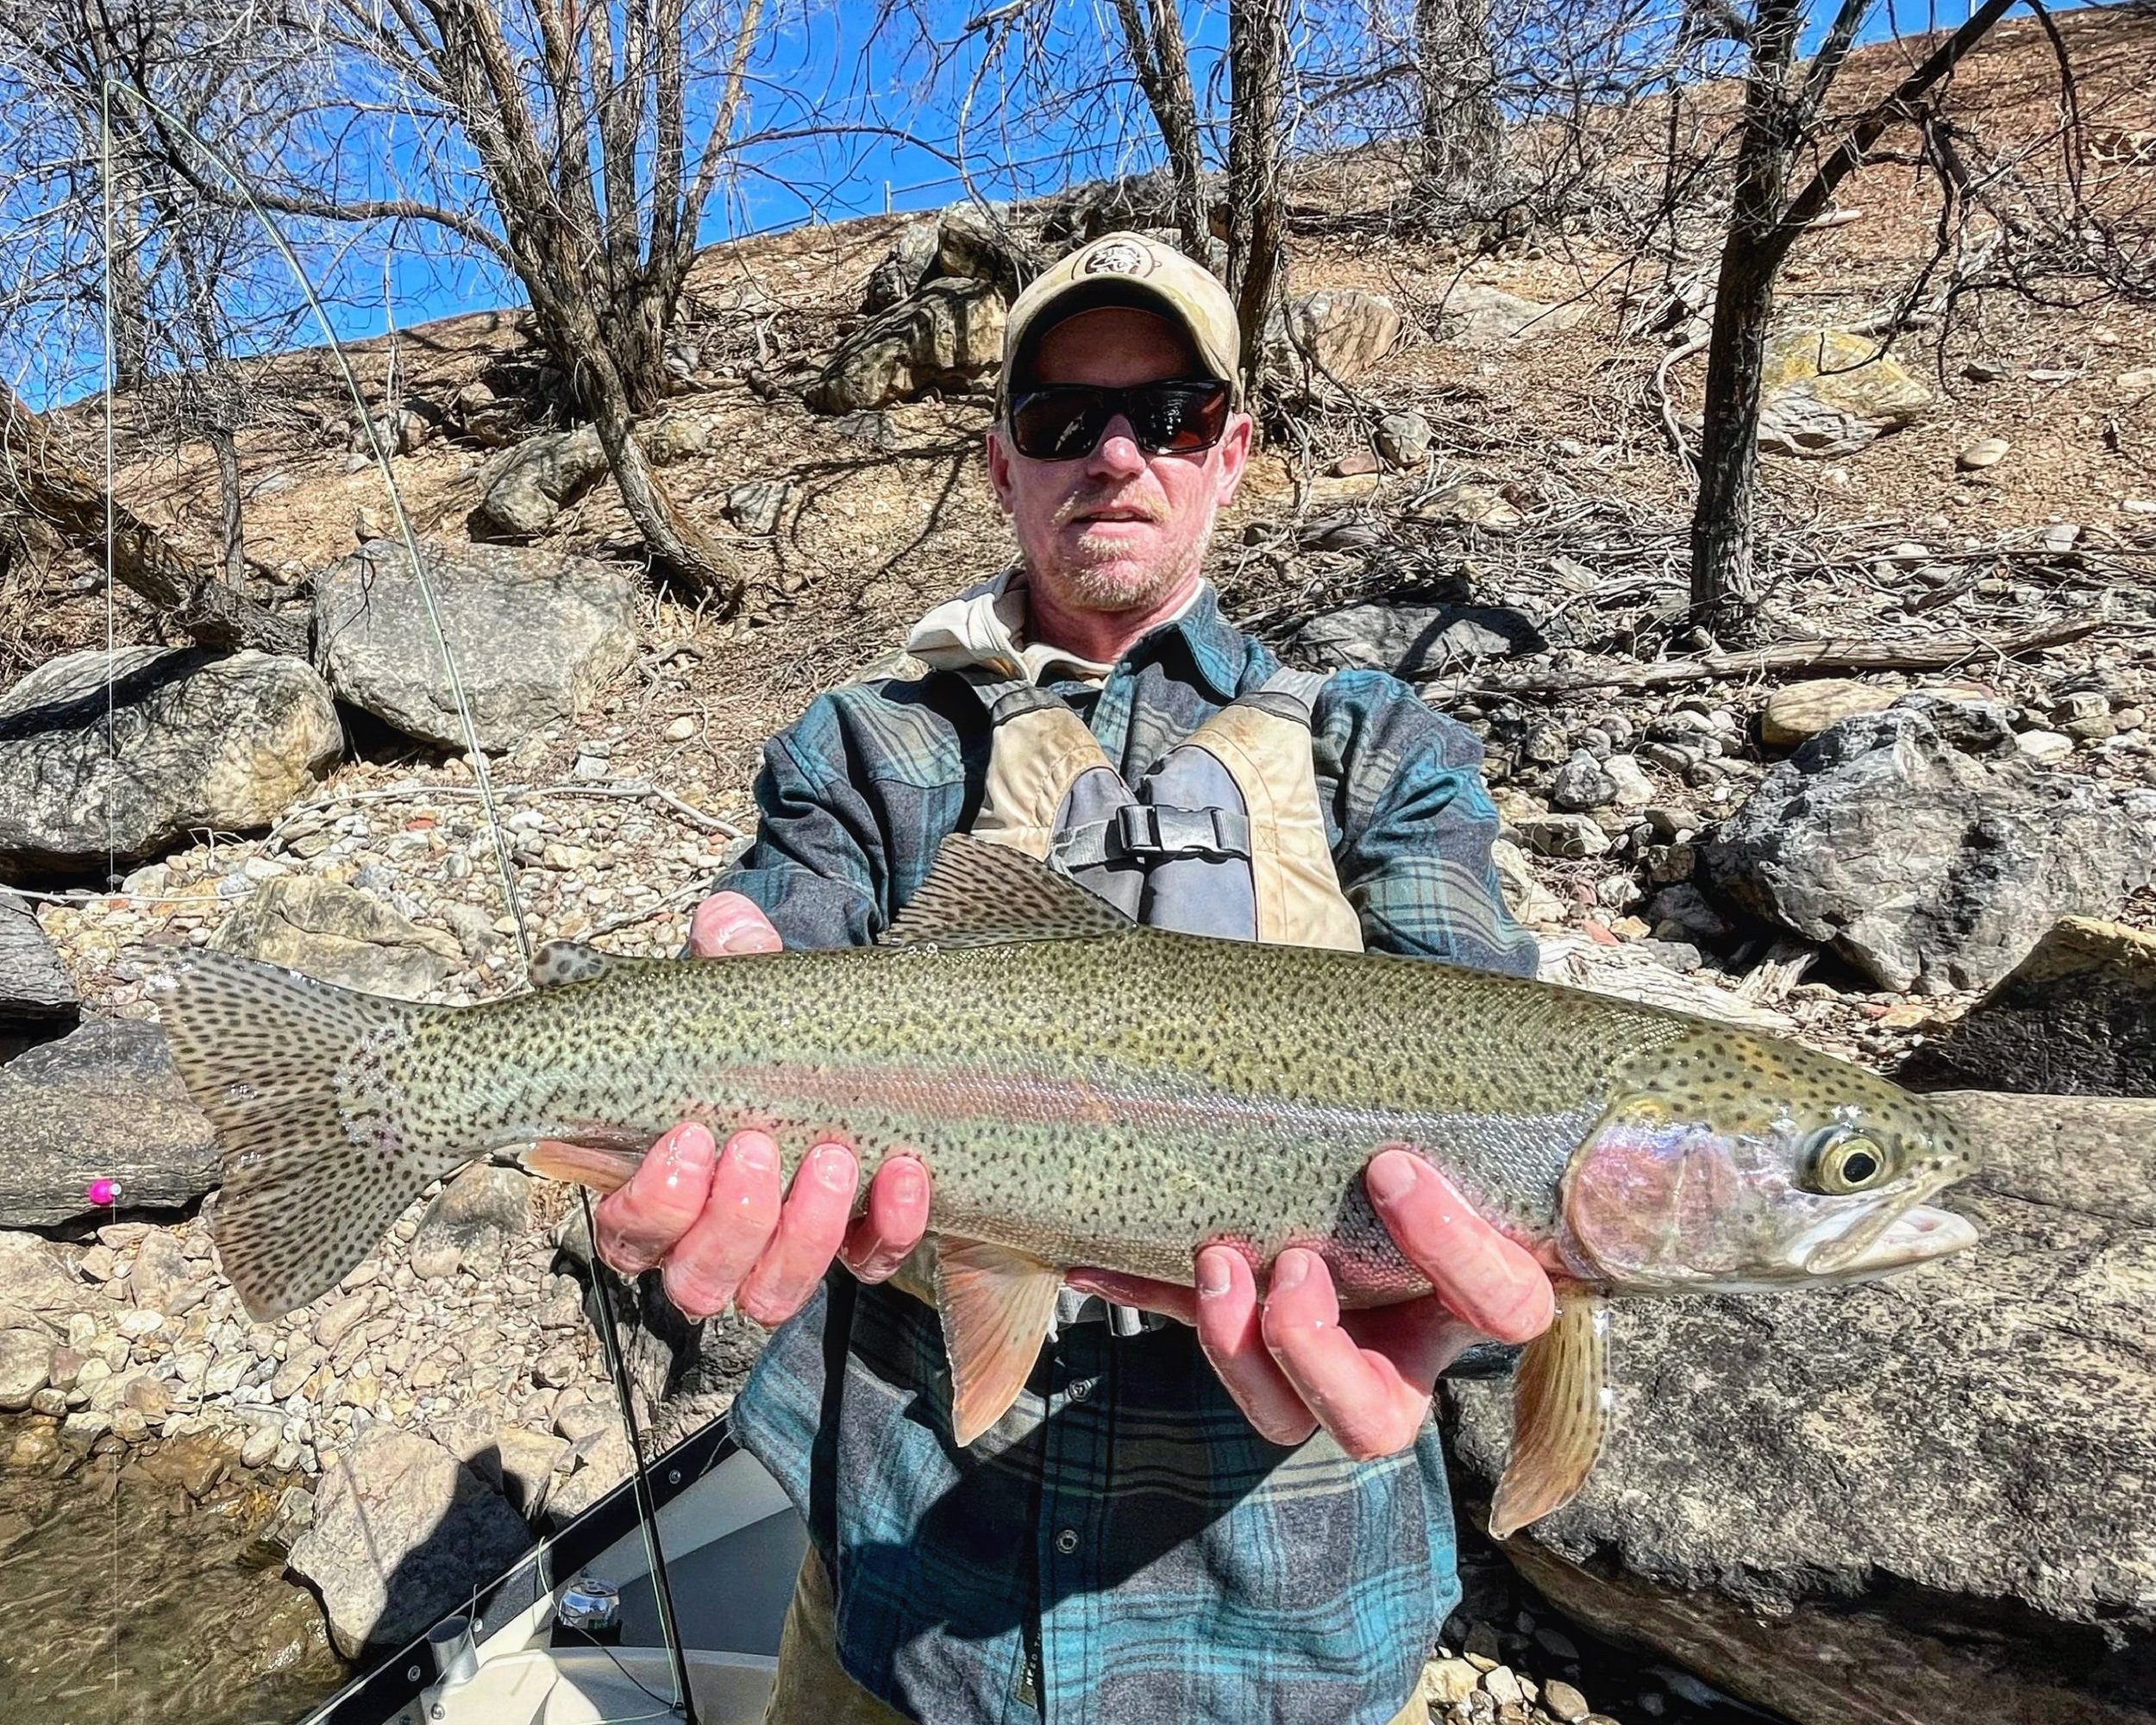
{"points": [[317, 1161]]}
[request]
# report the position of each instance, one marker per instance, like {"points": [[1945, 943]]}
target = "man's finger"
{"points": [[893, 1222], [1357, 1394], [722, 1244], [728, 923], [1491, 1280], [1229, 1330], [811, 1224], [638, 1222]]}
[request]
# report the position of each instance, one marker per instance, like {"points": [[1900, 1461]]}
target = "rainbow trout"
{"points": [[1086, 1092]]}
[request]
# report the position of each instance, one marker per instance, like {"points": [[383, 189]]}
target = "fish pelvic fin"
{"points": [[1560, 1413], [316, 1160], [996, 1306]]}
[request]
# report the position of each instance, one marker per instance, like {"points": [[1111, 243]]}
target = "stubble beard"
{"points": [[1110, 579]]}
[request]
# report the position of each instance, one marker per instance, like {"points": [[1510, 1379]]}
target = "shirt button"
{"points": [[1082, 1389], [1067, 1542]]}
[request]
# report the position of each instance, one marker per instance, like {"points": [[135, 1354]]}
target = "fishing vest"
{"points": [[1224, 836]]}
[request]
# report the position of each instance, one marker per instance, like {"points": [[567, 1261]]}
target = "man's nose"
{"points": [[1117, 456]]}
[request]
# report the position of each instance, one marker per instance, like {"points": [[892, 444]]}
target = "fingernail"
{"points": [[1212, 1275], [1289, 1271], [755, 1152], [906, 1180], [1391, 1176], [834, 1168], [689, 1151]]}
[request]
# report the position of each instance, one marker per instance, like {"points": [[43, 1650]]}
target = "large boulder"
{"points": [[522, 489], [1415, 640], [403, 1532], [340, 934], [943, 335], [1828, 393], [472, 1220], [37, 996], [2077, 1017], [1474, 314], [536, 633], [1317, 341], [32, 1279], [1920, 1500], [103, 1102], [199, 740], [1922, 847]]}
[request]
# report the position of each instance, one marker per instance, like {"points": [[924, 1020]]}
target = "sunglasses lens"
{"points": [[1178, 419], [1059, 424]]}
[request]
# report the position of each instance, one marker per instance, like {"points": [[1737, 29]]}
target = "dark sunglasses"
{"points": [[1066, 421]]}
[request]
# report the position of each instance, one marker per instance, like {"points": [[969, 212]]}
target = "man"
{"points": [[1205, 1507]]}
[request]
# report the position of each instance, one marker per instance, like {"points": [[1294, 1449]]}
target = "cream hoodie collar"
{"points": [[984, 628]]}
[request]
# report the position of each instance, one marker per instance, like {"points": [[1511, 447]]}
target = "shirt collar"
{"points": [[985, 627]]}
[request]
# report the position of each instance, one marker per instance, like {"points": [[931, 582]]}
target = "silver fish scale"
{"points": [[1114, 1100]]}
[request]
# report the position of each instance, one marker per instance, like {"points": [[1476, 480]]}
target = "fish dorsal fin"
{"points": [[557, 962], [996, 1304], [1560, 1411], [983, 894]]}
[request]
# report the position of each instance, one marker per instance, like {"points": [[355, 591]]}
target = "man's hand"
{"points": [[713, 1219], [1297, 1362]]}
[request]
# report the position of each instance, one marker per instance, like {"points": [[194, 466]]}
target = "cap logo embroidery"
{"points": [[1118, 257]]}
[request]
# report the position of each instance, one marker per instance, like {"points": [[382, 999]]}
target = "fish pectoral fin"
{"points": [[557, 962], [982, 894], [1560, 1411], [996, 1306], [603, 1167]]}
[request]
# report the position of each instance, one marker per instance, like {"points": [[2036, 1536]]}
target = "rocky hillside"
{"points": [[1470, 479]]}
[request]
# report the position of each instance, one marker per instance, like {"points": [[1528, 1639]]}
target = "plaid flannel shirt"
{"points": [[1123, 1546]]}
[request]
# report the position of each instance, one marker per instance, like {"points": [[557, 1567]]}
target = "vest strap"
{"points": [[1149, 831]]}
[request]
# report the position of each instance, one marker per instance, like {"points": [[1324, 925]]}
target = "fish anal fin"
{"points": [[604, 1167], [982, 894], [559, 962], [1560, 1413], [996, 1306]]}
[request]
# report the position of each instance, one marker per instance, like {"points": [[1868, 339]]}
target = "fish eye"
{"points": [[1839, 1162]]}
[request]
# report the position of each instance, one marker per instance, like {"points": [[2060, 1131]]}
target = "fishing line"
{"points": [[104, 152]]}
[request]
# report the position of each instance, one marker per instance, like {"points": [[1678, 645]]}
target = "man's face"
{"points": [[1118, 530]]}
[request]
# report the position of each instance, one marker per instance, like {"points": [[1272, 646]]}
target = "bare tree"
{"points": [[1456, 78], [1153, 38], [1257, 180], [596, 134], [1783, 112]]}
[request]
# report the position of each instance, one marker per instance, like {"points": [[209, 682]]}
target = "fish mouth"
{"points": [[1871, 1246]]}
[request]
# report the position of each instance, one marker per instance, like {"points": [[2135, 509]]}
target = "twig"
{"points": [[1933, 653]]}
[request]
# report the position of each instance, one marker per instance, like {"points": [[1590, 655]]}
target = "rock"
{"points": [[1414, 640], [1580, 783], [536, 633], [1918, 845], [340, 935], [1634, 790], [1682, 912], [104, 1102], [1319, 341], [1828, 393], [1531, 903], [1799, 711], [163, 1280], [903, 269], [26, 1359], [1445, 1682], [334, 1325], [1630, 971], [37, 996], [1403, 439], [943, 335], [757, 506], [522, 489], [527, 1460], [1469, 505], [403, 1532], [1563, 835], [199, 739], [606, 1464], [1501, 1684], [2077, 1017], [1477, 315], [31, 1276], [2137, 382], [1920, 1499], [2044, 747], [1985, 452], [976, 242], [471, 1220], [261, 1445], [1564, 1702], [478, 412]]}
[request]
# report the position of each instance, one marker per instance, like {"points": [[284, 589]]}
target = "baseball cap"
{"points": [[1126, 269]]}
